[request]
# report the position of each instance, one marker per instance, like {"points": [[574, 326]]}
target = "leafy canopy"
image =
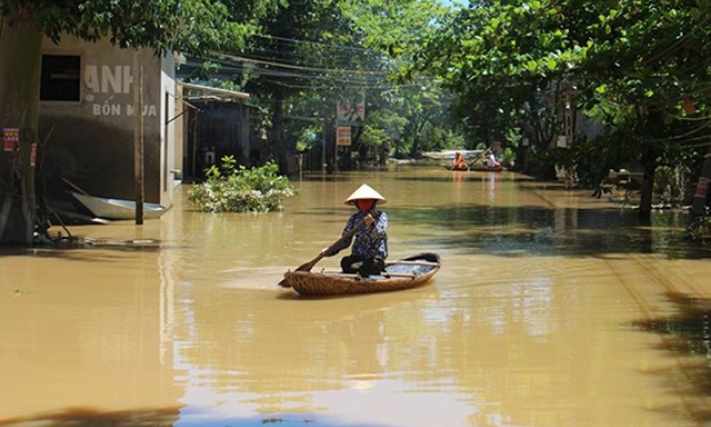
{"points": [[194, 26]]}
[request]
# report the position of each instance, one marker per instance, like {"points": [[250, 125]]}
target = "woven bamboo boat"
{"points": [[476, 168], [456, 168], [398, 275]]}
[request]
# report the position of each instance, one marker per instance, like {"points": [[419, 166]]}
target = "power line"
{"points": [[392, 86], [296, 41], [297, 67], [233, 68], [295, 58]]}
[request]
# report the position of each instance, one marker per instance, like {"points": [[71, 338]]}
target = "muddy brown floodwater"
{"points": [[551, 309]]}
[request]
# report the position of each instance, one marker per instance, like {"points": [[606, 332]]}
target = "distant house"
{"points": [[219, 123]]}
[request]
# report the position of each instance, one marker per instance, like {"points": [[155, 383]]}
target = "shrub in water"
{"points": [[240, 189]]}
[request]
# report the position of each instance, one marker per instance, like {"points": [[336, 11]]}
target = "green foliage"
{"points": [[700, 228], [445, 139], [394, 27], [507, 158], [327, 50], [505, 61], [308, 137], [194, 26], [374, 136], [231, 189]]}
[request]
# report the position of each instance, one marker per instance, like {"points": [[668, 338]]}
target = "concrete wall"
{"points": [[168, 127], [179, 129], [91, 140]]}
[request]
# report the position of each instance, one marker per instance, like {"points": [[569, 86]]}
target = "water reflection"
{"points": [[527, 323], [92, 418], [687, 334], [282, 355], [535, 231]]}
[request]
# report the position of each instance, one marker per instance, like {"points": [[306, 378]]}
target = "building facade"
{"points": [[87, 121]]}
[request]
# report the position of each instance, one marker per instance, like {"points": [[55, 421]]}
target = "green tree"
{"points": [[395, 27], [646, 61], [311, 54], [507, 63], [633, 65], [404, 114], [182, 25], [296, 51]]}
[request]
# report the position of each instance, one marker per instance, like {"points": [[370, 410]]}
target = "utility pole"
{"points": [[137, 74], [323, 145]]}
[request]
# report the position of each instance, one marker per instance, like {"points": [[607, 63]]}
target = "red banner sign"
{"points": [[703, 188], [11, 139]]}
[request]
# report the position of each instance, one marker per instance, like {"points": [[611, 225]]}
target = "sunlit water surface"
{"points": [[552, 309]]}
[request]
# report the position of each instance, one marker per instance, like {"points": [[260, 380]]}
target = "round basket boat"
{"points": [[398, 275]]}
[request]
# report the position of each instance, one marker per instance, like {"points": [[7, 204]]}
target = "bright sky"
{"points": [[452, 3]]}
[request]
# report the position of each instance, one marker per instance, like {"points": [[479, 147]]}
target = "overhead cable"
{"points": [[297, 67], [296, 41]]}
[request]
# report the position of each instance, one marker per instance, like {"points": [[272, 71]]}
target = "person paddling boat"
{"points": [[370, 249]]}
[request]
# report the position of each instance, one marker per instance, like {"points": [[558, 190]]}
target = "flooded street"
{"points": [[551, 309]]}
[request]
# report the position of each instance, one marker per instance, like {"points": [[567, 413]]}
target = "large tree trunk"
{"points": [[417, 137], [649, 163], [20, 62]]}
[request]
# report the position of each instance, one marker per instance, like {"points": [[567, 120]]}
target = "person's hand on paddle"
{"points": [[369, 220]]}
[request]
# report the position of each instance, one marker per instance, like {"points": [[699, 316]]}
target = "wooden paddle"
{"points": [[74, 186], [309, 265]]}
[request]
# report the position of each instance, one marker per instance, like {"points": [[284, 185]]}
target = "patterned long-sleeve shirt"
{"points": [[370, 242]]}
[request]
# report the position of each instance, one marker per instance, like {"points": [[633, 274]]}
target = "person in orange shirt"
{"points": [[459, 163]]}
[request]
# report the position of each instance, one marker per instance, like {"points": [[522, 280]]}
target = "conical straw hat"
{"points": [[365, 192]]}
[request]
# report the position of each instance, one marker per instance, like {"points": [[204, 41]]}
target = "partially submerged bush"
{"points": [[231, 189]]}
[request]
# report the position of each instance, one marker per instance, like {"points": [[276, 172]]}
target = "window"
{"points": [[60, 78]]}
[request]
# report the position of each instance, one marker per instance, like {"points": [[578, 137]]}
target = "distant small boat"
{"points": [[117, 208], [485, 168], [398, 275], [447, 156], [477, 168], [456, 168]]}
